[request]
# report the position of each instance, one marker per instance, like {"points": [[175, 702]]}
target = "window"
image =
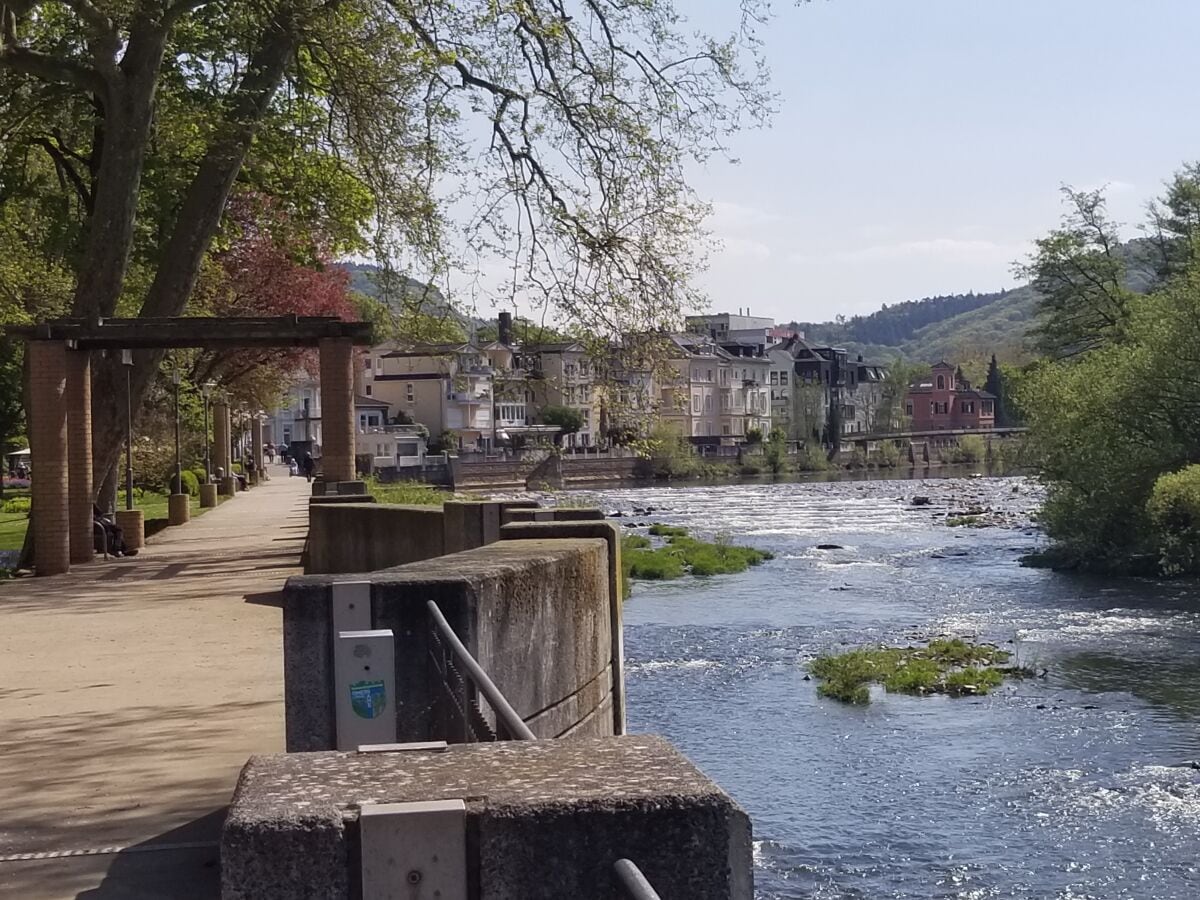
{"points": [[941, 382], [379, 366], [367, 364], [986, 408], [725, 429], [368, 390], [583, 367], [774, 378], [908, 408], [709, 375], [708, 403], [968, 406], [695, 403], [410, 393]]}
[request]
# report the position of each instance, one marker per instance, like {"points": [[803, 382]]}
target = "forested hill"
{"points": [[896, 324], [961, 327], [952, 326]]}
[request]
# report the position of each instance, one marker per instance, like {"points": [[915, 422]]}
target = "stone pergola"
{"points": [[60, 414]]}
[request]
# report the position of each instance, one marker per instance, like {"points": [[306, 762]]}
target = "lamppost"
{"points": [[206, 392], [175, 379], [127, 362]]}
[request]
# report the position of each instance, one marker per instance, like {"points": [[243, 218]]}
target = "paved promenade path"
{"points": [[131, 694]]}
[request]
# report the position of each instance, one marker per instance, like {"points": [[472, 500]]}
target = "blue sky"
{"points": [[920, 144]]}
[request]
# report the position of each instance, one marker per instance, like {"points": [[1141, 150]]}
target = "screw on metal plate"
{"points": [[414, 877]]}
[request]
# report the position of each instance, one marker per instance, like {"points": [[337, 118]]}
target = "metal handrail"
{"points": [[633, 882], [512, 722]]}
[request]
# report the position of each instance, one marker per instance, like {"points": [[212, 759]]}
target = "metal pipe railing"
{"points": [[507, 716], [633, 882]]}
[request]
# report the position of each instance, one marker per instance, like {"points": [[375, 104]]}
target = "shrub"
{"points": [[16, 505], [654, 565], [406, 493], [660, 530], [812, 459], [1174, 512], [971, 448], [198, 474], [888, 455], [191, 484]]}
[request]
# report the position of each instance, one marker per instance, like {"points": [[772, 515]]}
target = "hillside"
{"points": [[959, 327]]}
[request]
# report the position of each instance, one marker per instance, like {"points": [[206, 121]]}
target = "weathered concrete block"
{"points": [[612, 537], [363, 537], [535, 614], [323, 488], [549, 819], [549, 514], [470, 525]]}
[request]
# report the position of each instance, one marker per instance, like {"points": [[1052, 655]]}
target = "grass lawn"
{"points": [[152, 503]]}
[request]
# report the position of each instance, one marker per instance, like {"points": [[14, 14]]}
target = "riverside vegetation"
{"points": [[1114, 408], [946, 666], [679, 554]]}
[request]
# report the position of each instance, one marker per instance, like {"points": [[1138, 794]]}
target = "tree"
{"points": [[1079, 274], [995, 386], [363, 117], [775, 450], [567, 418]]}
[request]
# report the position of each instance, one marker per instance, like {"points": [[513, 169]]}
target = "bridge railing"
{"points": [[634, 885], [464, 682]]}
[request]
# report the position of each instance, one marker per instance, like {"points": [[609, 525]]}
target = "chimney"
{"points": [[504, 328]]}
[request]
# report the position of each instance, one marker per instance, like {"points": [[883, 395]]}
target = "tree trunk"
{"points": [[198, 221], [127, 119]]}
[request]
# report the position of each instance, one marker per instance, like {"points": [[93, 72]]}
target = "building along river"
{"points": [[1078, 784]]}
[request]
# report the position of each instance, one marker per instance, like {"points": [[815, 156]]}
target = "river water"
{"points": [[1073, 785]]}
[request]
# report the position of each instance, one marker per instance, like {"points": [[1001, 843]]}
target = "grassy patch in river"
{"points": [[681, 554], [946, 666]]}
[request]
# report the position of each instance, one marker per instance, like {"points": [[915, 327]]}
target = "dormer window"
{"points": [[941, 382]]}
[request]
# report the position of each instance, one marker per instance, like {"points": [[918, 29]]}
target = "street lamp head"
{"points": [[127, 357], [176, 376], [206, 389]]}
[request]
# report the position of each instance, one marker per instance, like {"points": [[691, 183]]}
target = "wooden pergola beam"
{"points": [[195, 331]]}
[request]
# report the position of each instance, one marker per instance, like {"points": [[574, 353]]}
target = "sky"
{"points": [[920, 145]]}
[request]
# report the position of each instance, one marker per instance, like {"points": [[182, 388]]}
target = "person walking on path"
{"points": [[308, 466]]}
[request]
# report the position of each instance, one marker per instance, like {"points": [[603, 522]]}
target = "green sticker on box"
{"points": [[368, 698]]}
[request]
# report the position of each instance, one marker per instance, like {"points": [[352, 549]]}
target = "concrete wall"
{"points": [[536, 614], [362, 537], [544, 819]]}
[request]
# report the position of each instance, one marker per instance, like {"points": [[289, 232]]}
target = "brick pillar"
{"points": [[220, 450], [337, 409], [48, 456], [79, 453]]}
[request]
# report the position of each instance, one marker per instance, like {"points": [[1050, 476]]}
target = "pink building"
{"points": [[945, 401]]}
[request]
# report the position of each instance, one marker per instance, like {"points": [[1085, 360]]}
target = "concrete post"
{"points": [[48, 456], [79, 454], [337, 409], [220, 454]]}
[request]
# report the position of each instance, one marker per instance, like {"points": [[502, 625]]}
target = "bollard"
{"points": [[179, 509], [132, 523], [208, 496]]}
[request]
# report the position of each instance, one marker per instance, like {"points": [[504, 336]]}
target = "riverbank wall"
{"points": [[441, 790]]}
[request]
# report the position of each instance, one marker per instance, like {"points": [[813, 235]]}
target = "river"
{"points": [[1073, 785]]}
